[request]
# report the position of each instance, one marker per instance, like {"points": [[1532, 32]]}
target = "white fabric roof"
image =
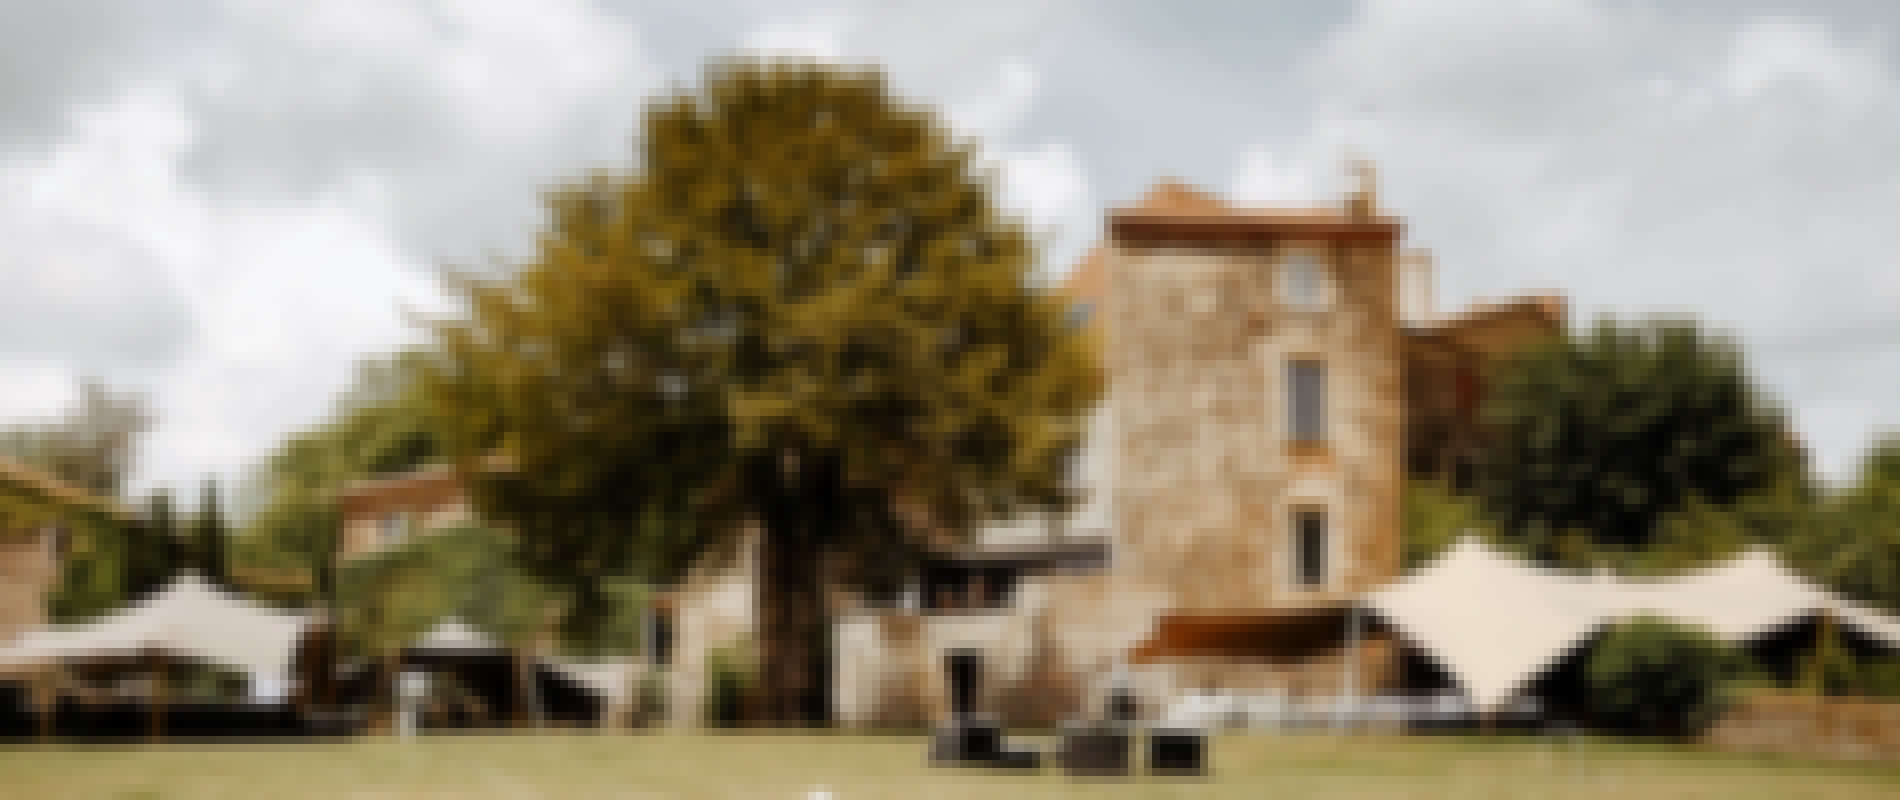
{"points": [[1496, 622], [612, 681], [190, 617], [454, 634]]}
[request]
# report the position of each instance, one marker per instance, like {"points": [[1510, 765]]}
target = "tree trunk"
{"points": [[790, 597], [789, 613]]}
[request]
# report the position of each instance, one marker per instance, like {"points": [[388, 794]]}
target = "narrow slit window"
{"points": [[1309, 548], [1306, 401]]}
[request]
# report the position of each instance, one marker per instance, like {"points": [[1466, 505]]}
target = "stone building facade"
{"points": [[1275, 376]]}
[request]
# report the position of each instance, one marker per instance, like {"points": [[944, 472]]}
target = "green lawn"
{"points": [[788, 766]]}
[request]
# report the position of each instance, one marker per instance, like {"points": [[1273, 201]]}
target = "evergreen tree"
{"points": [[210, 536], [155, 554]]}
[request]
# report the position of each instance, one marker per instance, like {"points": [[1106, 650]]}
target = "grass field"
{"points": [[852, 767]]}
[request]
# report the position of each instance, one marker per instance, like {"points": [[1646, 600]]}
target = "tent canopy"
{"points": [[609, 680], [452, 635], [1495, 622], [190, 617]]}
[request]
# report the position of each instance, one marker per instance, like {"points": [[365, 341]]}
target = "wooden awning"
{"points": [[1257, 636]]}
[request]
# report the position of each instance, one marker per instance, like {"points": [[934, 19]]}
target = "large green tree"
{"points": [[801, 310], [378, 426], [1600, 435]]}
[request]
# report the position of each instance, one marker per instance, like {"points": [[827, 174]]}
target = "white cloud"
{"points": [[320, 287], [999, 109], [1773, 50], [465, 109], [232, 228], [1265, 179], [822, 37], [1044, 182], [1513, 63], [101, 233], [242, 320]]}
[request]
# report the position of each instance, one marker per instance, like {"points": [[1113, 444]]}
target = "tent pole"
{"points": [[390, 679], [527, 707], [1352, 658], [534, 696], [48, 703], [158, 666]]}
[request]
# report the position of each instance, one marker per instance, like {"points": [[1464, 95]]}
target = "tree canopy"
{"points": [[1599, 436], [801, 309]]}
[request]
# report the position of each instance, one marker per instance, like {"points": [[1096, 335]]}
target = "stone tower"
{"points": [[1254, 360]]}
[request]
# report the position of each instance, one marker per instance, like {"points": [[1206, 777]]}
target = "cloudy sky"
{"points": [[227, 203]]}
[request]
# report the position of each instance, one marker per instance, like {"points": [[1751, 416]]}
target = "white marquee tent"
{"points": [[189, 617], [1496, 623], [610, 680]]}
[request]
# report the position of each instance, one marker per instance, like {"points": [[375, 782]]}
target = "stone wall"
{"points": [[1046, 659], [1813, 727], [715, 608], [27, 572]]}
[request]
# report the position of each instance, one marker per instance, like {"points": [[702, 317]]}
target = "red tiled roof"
{"points": [[1173, 210]]}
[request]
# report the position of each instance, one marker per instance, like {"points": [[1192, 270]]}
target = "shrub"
{"points": [[1881, 678], [652, 695], [1656, 677], [729, 679]]}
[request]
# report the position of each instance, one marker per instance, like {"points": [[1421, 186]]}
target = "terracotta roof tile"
{"points": [[1173, 194]]}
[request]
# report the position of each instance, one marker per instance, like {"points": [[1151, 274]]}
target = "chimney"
{"points": [[1363, 201], [1416, 288]]}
